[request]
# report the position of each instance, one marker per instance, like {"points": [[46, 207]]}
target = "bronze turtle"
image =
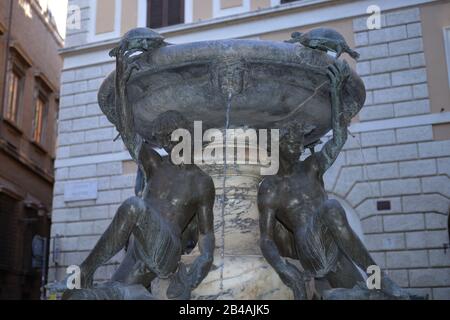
{"points": [[324, 39]]}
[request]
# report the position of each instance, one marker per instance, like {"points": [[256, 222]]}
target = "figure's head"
{"points": [[292, 139], [138, 39], [163, 127], [299, 36], [296, 35]]}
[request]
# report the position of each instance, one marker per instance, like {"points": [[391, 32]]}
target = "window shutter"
{"points": [[162, 13], [155, 13], [175, 12]]}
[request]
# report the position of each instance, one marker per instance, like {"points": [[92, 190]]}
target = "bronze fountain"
{"points": [[223, 231]]}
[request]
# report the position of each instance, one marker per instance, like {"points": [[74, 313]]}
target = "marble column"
{"points": [[239, 271]]}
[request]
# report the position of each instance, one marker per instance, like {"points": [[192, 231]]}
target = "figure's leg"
{"points": [[131, 281], [307, 261], [110, 291], [125, 267], [333, 215], [346, 274], [132, 271], [115, 237]]}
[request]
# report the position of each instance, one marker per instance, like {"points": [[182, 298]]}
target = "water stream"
{"points": [[225, 169]]}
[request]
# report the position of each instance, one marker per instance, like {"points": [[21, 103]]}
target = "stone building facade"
{"points": [[30, 67], [393, 177]]}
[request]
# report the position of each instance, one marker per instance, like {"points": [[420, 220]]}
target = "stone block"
{"points": [[373, 52], [397, 153], [436, 277], [109, 169], [99, 135], [85, 124], [362, 191], [385, 242], [400, 187], [387, 34], [417, 168], [439, 258], [414, 45], [86, 171], [407, 259], [382, 171], [377, 81], [417, 60], [95, 213], [437, 184], [347, 179], [85, 149], [426, 239], [378, 138], [411, 108], [434, 149], [362, 156], [436, 221], [403, 16], [377, 112], [390, 64], [415, 134], [414, 30], [420, 91], [397, 94], [65, 215], [372, 225], [400, 277], [65, 139], [425, 203], [108, 197], [444, 166], [404, 222], [361, 39], [363, 68], [78, 228], [441, 293], [415, 76]]}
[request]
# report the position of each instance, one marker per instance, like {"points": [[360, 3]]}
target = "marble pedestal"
{"points": [[239, 272]]}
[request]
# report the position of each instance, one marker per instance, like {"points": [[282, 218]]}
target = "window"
{"points": [[40, 109], [43, 93], [447, 49], [15, 92], [163, 13]]}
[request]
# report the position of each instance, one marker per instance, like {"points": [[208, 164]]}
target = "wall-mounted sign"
{"points": [[80, 191]]}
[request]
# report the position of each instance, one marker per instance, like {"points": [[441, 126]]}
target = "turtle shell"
{"points": [[142, 33], [325, 34]]}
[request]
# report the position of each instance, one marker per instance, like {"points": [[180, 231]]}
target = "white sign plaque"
{"points": [[79, 191]]}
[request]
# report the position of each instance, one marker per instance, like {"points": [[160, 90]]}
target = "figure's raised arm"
{"points": [[125, 124], [338, 74], [135, 41]]}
